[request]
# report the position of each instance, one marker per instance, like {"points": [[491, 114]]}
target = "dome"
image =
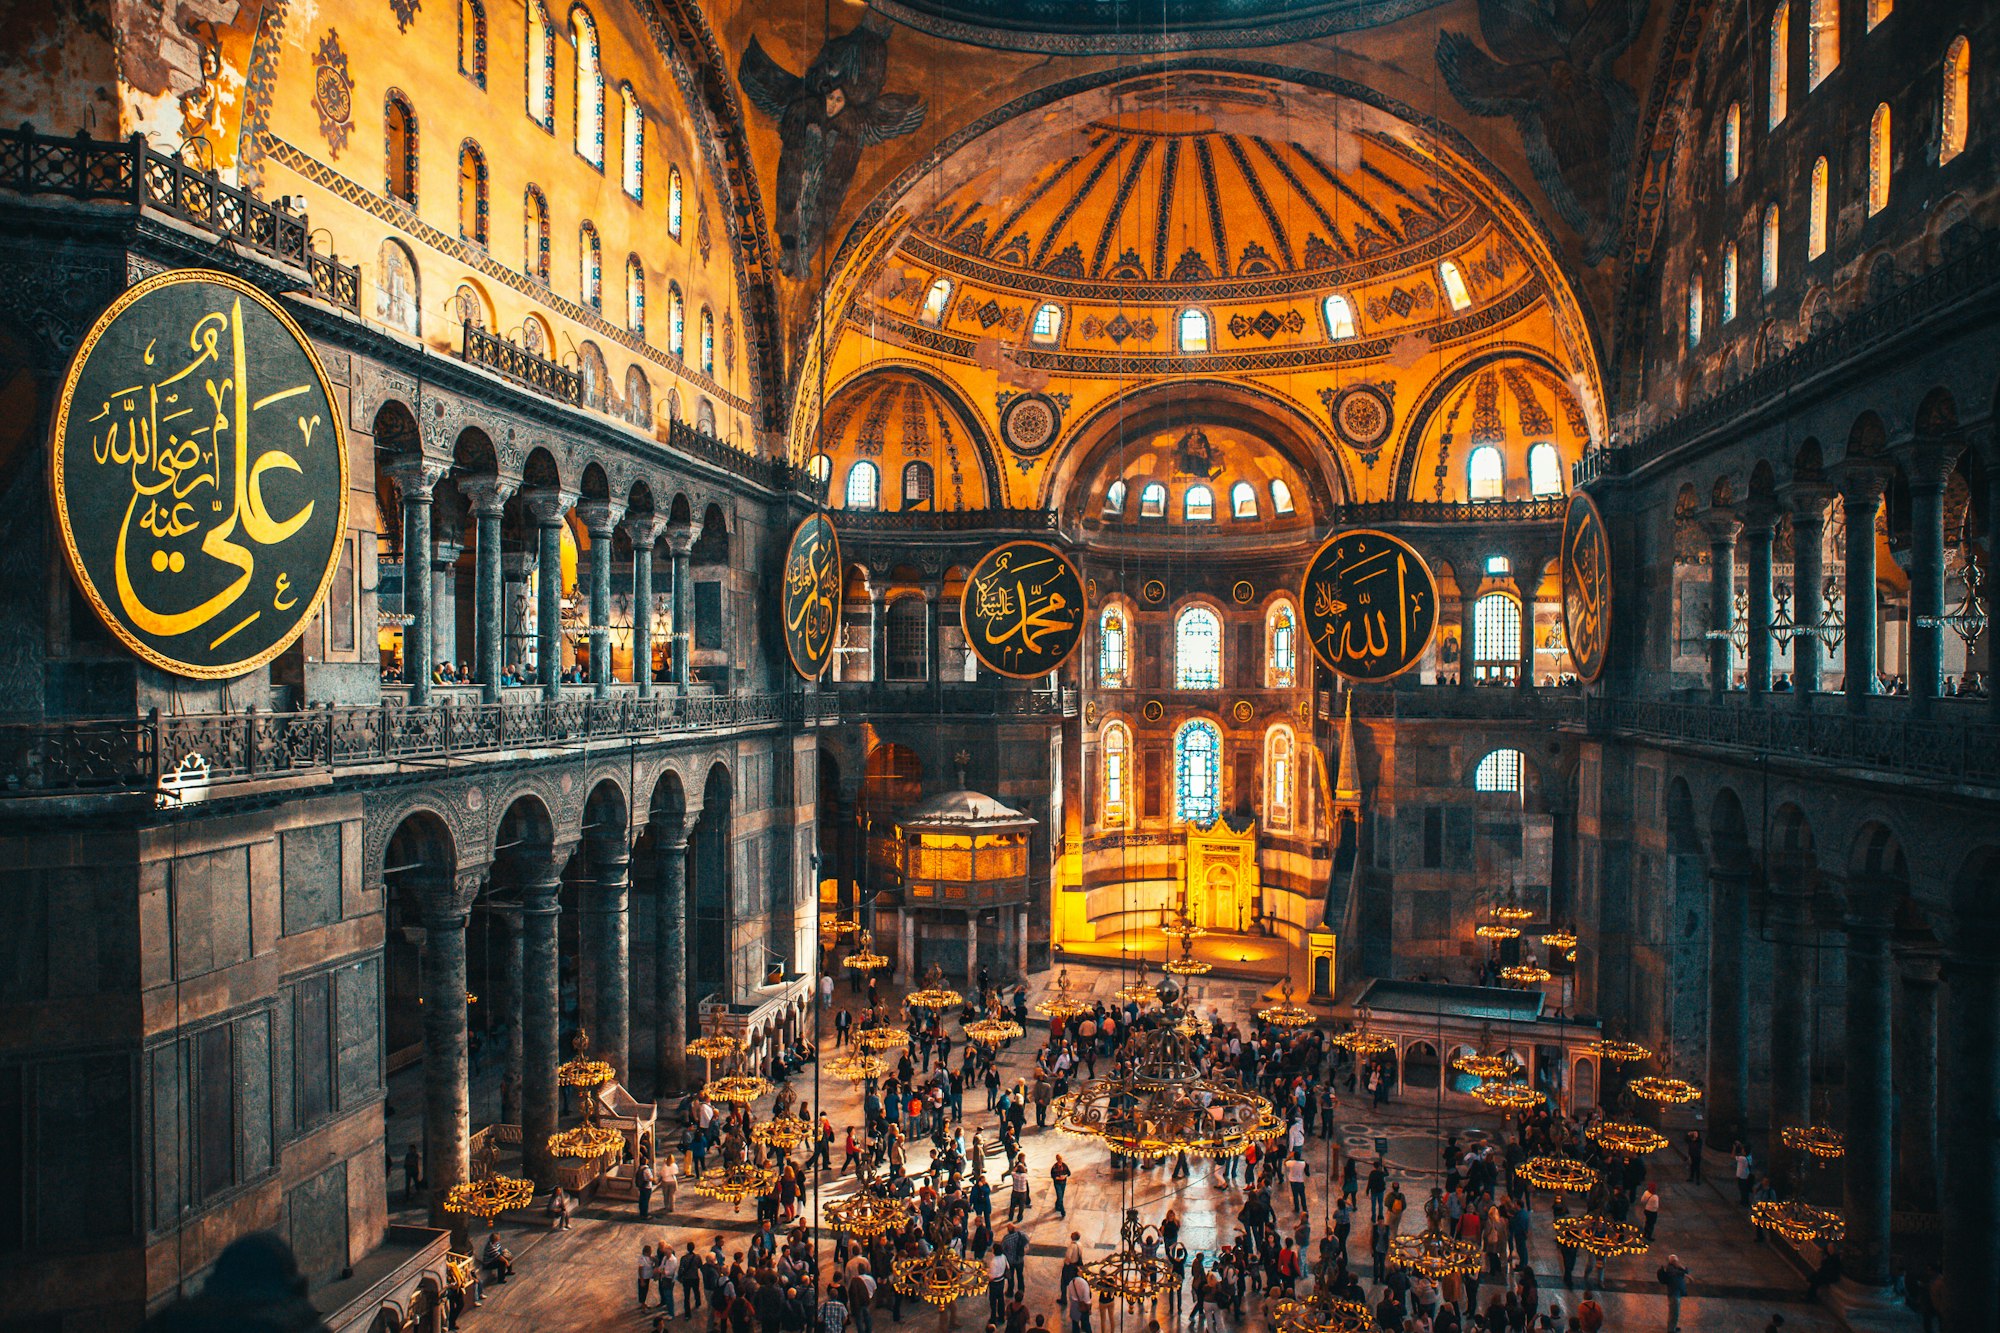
{"points": [[914, 434], [962, 812]]}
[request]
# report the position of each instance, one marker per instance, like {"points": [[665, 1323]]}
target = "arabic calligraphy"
{"points": [[1586, 587], [812, 590], [200, 474], [1370, 605], [1023, 609]]}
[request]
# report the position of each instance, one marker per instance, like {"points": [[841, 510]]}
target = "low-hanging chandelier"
{"points": [[1156, 1103], [1285, 1014], [864, 958], [1616, 1136], [934, 994], [1821, 1141], [1436, 1255], [1358, 1041], [1133, 1272], [1558, 1174], [1798, 1221], [856, 1066], [1062, 1002], [866, 1216], [488, 1197], [1664, 1091], [942, 1277], [1596, 1234]]}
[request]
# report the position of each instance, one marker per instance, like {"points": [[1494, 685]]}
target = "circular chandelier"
{"points": [[582, 1071], [992, 1030], [840, 927], [867, 1216], [585, 1141], [1437, 1255], [1512, 912], [489, 1196], [1156, 1103], [740, 1089], [1485, 1066], [1061, 1003], [1562, 1175], [1798, 1221], [1496, 931], [1285, 1014], [1821, 1141], [1323, 1313], [1617, 1136], [1183, 927], [1664, 1091], [1594, 1233], [856, 1066], [1618, 1052], [942, 1277], [715, 1046], [733, 1184], [1358, 1041], [784, 1133], [1131, 1273], [1508, 1096], [864, 958], [1188, 1024], [1529, 973], [884, 1037], [934, 994], [1141, 992], [1187, 965], [1563, 938]]}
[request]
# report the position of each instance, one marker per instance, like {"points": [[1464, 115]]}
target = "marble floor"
{"points": [[582, 1278]]}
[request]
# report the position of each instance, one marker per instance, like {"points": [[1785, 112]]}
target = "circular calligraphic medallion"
{"points": [[1030, 424], [1023, 609], [1154, 592], [811, 601], [1362, 416], [1586, 586], [1243, 593], [1243, 710], [198, 469], [1370, 604], [1154, 710]]}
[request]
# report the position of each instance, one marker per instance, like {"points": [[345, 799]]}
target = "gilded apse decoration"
{"points": [[1029, 423], [1362, 417], [1023, 609], [826, 117], [1370, 605], [811, 602], [1586, 587], [199, 473], [333, 92]]}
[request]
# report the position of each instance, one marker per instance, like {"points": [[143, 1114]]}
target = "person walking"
{"points": [[1674, 1277], [1296, 1171], [1649, 1204], [996, 1285], [645, 1273], [1059, 1176], [642, 1180], [1378, 1181], [1017, 1201], [1745, 1182], [1077, 1295], [1693, 1141]]}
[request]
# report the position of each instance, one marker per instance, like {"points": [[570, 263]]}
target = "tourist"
{"points": [[1649, 1204], [833, 1310], [497, 1259], [1589, 1314], [1744, 1180], [561, 1205], [1077, 1294], [1673, 1276], [642, 1180], [1693, 1141]]}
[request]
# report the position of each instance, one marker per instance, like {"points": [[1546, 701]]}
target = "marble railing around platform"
{"points": [[182, 758]]}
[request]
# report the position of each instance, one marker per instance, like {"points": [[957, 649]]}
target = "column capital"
{"points": [[599, 516], [487, 495], [446, 900], [1862, 481], [1928, 459], [681, 536], [1719, 523], [1759, 516], [1806, 501], [1920, 960], [546, 505], [415, 474], [1867, 907], [643, 530], [445, 553]]}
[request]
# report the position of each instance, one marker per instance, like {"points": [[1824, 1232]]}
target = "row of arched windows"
{"points": [[1486, 472], [1197, 648], [1197, 774], [864, 483], [1197, 501]]}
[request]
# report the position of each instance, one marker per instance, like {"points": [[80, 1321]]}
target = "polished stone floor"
{"points": [[582, 1278]]}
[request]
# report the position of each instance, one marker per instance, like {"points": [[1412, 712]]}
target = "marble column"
{"points": [[878, 637], [680, 541], [600, 518], [488, 497], [1869, 1051], [1719, 524], [1528, 584], [670, 967], [1758, 521], [509, 1001], [443, 904], [1808, 506], [541, 883], [1468, 601], [1021, 940], [1728, 1001], [1791, 974], [1927, 463], [972, 953], [444, 599], [607, 951], [643, 531], [906, 951], [415, 477], [1860, 497], [1916, 1076], [1969, 1111]]}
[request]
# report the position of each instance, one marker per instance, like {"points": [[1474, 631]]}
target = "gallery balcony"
{"points": [[859, 700]]}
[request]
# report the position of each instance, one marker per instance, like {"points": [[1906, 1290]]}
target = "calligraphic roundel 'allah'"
{"points": [[825, 118]]}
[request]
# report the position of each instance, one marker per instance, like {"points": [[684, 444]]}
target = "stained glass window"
{"points": [[541, 66], [634, 135], [936, 301], [1113, 650], [1496, 637], [676, 320], [1153, 500], [1455, 290], [1278, 777], [1781, 36], [1878, 160], [1732, 142], [1281, 663], [1114, 500], [590, 265], [1770, 246], [400, 144], [1498, 771], [1957, 109], [471, 193], [1816, 212], [1694, 310], [864, 485], [1729, 282], [1117, 775], [1198, 650], [1047, 326], [674, 202], [1823, 46], [472, 40], [535, 238], [918, 481], [707, 341], [1281, 498], [635, 295], [1194, 330], [589, 87], [1198, 772], [1198, 505]]}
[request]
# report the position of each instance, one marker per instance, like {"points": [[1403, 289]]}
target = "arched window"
{"points": [[472, 193], [1498, 771], [1114, 650], [535, 235], [1198, 504], [864, 486], [1878, 160], [1496, 637], [596, 375], [1114, 499], [1193, 330], [936, 301], [1544, 469], [1117, 751], [1956, 112], [1770, 246], [907, 632], [918, 484], [707, 341], [400, 120], [536, 337], [541, 64], [1339, 317], [1153, 500], [1281, 648], [1455, 290], [1243, 500], [472, 40], [1732, 142], [589, 87], [1879, 10], [676, 320], [1729, 282], [1486, 473], [633, 133], [635, 295], [1823, 48], [820, 468], [1278, 770], [1198, 650], [1816, 212], [674, 202], [1198, 772], [1694, 310], [397, 301], [590, 267], [638, 398], [1780, 72], [1047, 326], [1281, 498]]}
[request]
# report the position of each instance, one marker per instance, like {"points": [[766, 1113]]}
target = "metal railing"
{"points": [[127, 171], [959, 701], [700, 444], [945, 520], [524, 367], [191, 753], [1445, 703]]}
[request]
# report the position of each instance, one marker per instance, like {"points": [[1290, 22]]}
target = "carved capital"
{"points": [[1861, 482], [1806, 502], [644, 530], [599, 517], [487, 495], [415, 475], [546, 506], [1928, 459], [681, 537], [1720, 524]]}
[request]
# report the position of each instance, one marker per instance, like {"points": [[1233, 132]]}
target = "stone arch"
{"points": [[1682, 834], [1728, 832]]}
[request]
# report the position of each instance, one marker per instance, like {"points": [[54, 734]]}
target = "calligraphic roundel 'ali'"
{"points": [[199, 473], [1023, 609], [1586, 587], [1370, 605], [812, 591]]}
